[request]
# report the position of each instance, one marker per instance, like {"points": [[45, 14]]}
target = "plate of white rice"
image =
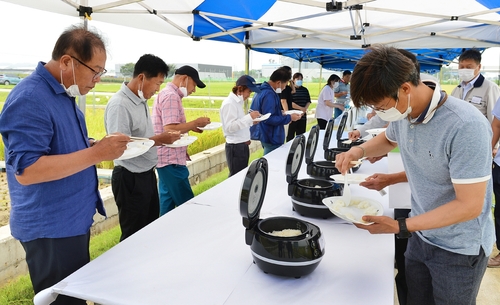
{"points": [[354, 212]]}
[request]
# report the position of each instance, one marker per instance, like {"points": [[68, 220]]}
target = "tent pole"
{"points": [[247, 60], [82, 99], [320, 77], [247, 72]]}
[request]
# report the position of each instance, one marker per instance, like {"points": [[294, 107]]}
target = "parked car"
{"points": [[9, 79]]}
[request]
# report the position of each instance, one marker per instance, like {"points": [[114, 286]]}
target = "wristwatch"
{"points": [[403, 230]]}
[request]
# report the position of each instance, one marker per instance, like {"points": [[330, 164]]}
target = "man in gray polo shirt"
{"points": [[133, 180], [448, 168]]}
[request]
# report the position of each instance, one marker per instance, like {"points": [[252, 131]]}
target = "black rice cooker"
{"points": [[331, 153], [307, 194], [283, 246], [340, 132], [318, 169]]}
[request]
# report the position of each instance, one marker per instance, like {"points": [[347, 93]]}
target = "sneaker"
{"points": [[494, 262]]}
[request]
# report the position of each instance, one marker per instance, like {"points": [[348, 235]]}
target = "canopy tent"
{"points": [[331, 33]]}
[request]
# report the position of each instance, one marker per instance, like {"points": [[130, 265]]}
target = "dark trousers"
{"points": [[296, 128], [50, 260], [436, 276], [400, 249], [496, 190], [237, 156], [136, 195], [322, 124]]}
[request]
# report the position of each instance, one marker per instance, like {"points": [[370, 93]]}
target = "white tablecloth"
{"points": [[197, 254]]}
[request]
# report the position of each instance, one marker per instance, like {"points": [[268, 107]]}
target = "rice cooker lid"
{"points": [[312, 143], [294, 160], [343, 122], [328, 134], [253, 192]]}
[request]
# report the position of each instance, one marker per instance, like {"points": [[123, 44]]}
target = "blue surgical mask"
{"points": [[298, 82]]}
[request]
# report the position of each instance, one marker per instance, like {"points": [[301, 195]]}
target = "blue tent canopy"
{"points": [[430, 60], [241, 22]]}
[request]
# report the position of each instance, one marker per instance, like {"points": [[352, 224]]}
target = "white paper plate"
{"points": [[351, 178], [184, 141], [375, 131], [136, 148], [293, 111], [211, 126], [358, 207], [262, 117]]}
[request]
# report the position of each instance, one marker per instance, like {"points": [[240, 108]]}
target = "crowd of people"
{"points": [[446, 145]]}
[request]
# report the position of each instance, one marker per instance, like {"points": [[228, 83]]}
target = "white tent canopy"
{"points": [[410, 24], [273, 25]]}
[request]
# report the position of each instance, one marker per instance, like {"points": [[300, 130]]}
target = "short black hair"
{"points": [[380, 73], [473, 54], [151, 66], [333, 77], [346, 72], [281, 74]]}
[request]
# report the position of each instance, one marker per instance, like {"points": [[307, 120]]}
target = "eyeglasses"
{"points": [[96, 74], [383, 109]]}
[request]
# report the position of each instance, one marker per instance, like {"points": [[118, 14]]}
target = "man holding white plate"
{"points": [[449, 229], [168, 113], [133, 181]]}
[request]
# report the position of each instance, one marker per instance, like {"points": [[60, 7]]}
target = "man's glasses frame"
{"points": [[96, 73]]}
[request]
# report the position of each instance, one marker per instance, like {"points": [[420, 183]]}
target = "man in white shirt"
{"points": [[236, 124]]}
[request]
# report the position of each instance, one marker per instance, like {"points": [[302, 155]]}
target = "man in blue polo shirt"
{"points": [[448, 169], [50, 161], [342, 93]]}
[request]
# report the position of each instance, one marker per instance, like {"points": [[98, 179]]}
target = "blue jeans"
{"points": [[174, 187], [269, 147], [437, 276]]}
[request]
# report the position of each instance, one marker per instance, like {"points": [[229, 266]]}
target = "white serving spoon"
{"points": [[347, 192]]}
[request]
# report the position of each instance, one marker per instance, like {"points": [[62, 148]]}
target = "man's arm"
{"points": [[379, 181], [54, 167], [467, 205], [375, 147]]}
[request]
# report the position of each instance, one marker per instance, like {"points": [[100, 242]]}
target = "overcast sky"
{"points": [[28, 36]]}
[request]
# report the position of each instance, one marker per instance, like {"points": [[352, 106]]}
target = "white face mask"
{"points": [[336, 85], [392, 114], [240, 97], [466, 75], [184, 90], [140, 93], [278, 90], [73, 90]]}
